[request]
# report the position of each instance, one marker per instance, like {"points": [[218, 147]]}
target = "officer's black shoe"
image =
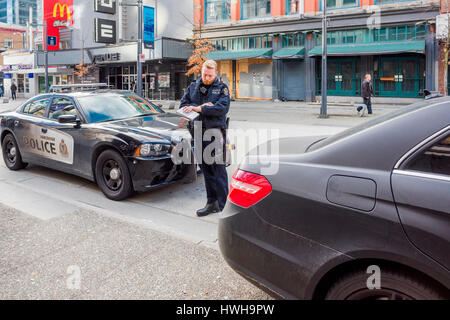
{"points": [[209, 208]]}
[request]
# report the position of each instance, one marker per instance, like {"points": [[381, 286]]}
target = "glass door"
{"points": [[332, 72], [341, 76], [399, 77], [388, 76], [408, 76], [347, 77]]}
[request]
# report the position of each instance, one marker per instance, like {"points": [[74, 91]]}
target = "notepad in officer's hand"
{"points": [[191, 115]]}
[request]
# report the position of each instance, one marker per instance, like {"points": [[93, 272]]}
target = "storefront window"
{"points": [[164, 80], [218, 10], [255, 8], [292, 6], [293, 40], [27, 85], [20, 83], [248, 43]]}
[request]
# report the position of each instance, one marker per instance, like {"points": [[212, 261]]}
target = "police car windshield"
{"points": [[101, 108]]}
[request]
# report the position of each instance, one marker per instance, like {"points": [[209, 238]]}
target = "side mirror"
{"points": [[70, 118]]}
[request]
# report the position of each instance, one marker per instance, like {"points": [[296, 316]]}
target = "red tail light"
{"points": [[246, 189]]}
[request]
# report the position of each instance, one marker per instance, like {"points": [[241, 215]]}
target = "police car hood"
{"points": [[163, 126]]}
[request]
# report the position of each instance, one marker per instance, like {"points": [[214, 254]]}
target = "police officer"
{"points": [[211, 99]]}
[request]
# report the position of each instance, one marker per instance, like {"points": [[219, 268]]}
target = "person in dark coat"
{"points": [[367, 92], [13, 91], [211, 99]]}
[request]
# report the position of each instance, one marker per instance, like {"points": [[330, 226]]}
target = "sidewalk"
{"points": [[11, 105]]}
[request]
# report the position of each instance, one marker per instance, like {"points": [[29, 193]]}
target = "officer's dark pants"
{"points": [[216, 179], [368, 103]]}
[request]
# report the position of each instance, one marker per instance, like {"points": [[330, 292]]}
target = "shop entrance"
{"points": [[343, 77], [293, 85], [400, 77]]}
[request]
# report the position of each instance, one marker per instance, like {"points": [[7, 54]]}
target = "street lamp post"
{"points": [[46, 56], [139, 62], [139, 5], [323, 108], [45, 51]]}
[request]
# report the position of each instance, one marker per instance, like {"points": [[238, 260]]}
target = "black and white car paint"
{"points": [[76, 144]]}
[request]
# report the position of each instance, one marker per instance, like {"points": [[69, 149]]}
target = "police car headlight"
{"points": [[152, 150]]}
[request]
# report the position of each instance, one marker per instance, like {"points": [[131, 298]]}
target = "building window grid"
{"points": [[242, 44], [217, 11], [251, 9], [293, 40], [340, 4], [386, 34], [292, 6]]}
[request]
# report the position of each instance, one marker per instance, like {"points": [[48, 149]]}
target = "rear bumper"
{"points": [[281, 263], [147, 174]]}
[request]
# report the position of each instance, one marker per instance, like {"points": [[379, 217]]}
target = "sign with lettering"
{"points": [[58, 14], [149, 27], [105, 6], [107, 57], [105, 31]]}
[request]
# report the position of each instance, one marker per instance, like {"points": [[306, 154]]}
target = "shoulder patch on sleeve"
{"points": [[225, 91]]}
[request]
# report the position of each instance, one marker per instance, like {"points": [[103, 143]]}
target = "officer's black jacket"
{"points": [[212, 116]]}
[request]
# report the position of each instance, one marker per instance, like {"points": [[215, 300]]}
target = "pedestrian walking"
{"points": [[211, 99], [2, 90], [13, 91], [367, 92]]}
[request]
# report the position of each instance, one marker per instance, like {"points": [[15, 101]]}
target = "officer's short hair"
{"points": [[210, 64]]}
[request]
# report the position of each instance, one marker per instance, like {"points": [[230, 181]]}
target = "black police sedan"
{"points": [[116, 138], [364, 214]]}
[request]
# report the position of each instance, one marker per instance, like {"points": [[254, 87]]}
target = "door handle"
{"points": [[43, 130]]}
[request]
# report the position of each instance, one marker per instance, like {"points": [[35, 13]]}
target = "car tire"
{"points": [[11, 153], [394, 285], [113, 176]]}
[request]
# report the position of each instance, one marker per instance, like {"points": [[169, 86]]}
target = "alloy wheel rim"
{"points": [[11, 152], [112, 175]]}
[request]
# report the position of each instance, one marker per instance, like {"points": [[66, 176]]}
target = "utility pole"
{"points": [[46, 56], [139, 61], [139, 5], [323, 109]]}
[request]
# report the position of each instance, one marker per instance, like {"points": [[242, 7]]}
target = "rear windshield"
{"points": [[372, 123]]}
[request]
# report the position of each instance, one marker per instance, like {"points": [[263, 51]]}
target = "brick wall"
{"points": [[16, 35]]}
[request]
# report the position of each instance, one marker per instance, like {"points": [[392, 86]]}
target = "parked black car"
{"points": [[374, 197], [118, 139]]}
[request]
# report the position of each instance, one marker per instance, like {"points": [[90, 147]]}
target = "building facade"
{"points": [[271, 49], [18, 11], [164, 66]]}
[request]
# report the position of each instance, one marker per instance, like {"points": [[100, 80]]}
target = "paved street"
{"points": [[149, 246]]}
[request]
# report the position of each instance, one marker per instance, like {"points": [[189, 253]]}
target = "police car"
{"points": [[117, 139]]}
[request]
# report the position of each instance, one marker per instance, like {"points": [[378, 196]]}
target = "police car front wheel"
{"points": [[11, 153], [113, 176]]}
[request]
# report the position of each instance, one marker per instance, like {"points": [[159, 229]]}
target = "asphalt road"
{"points": [[151, 246]]}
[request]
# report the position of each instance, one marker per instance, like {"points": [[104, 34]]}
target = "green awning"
{"points": [[238, 55], [290, 53], [371, 48]]}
